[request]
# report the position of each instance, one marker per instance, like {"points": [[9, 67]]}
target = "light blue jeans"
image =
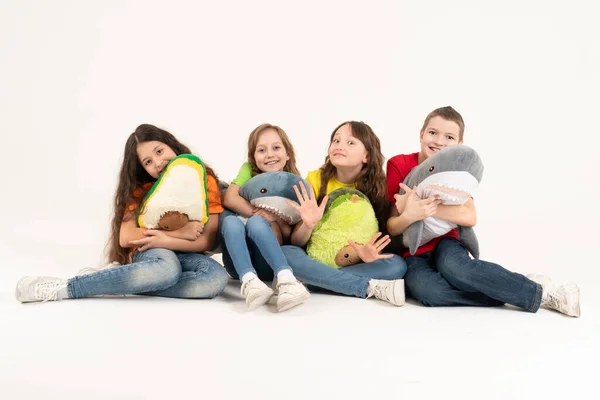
{"points": [[156, 272], [250, 248], [352, 280]]}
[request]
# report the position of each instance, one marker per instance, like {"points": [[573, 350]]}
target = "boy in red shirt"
{"points": [[441, 272]]}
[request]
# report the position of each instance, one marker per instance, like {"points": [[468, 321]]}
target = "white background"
{"points": [[77, 77]]}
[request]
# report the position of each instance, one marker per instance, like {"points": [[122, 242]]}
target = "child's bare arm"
{"points": [[397, 224], [159, 239], [416, 209], [130, 231], [464, 215], [237, 203]]}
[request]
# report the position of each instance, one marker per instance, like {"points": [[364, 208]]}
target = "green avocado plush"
{"points": [[348, 215]]}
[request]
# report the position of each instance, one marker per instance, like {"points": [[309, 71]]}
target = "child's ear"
{"points": [[421, 135], [366, 159]]}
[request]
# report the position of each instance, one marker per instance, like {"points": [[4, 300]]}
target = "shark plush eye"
{"points": [[263, 190], [431, 168]]}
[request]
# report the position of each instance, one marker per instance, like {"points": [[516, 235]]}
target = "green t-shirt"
{"points": [[244, 175]]}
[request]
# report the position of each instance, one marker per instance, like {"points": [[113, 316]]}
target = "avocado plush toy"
{"points": [[348, 215], [178, 196]]}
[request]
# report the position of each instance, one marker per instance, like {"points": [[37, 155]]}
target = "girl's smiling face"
{"points": [[154, 157]]}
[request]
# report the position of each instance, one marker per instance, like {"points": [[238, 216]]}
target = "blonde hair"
{"points": [[290, 165], [449, 114]]}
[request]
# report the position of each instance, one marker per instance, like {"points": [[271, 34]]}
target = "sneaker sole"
{"points": [[18, 291], [575, 311], [402, 296], [286, 305]]}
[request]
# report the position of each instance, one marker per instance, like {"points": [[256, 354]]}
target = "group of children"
{"points": [[259, 246]]}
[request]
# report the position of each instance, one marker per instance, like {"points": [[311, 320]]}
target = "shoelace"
{"points": [[553, 300], [48, 290], [380, 292]]}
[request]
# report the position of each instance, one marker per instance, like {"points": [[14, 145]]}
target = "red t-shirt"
{"points": [[398, 168]]}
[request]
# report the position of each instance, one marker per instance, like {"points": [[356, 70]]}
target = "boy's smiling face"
{"points": [[438, 133]]}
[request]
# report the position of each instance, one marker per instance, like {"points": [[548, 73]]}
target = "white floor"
{"points": [[331, 347]]}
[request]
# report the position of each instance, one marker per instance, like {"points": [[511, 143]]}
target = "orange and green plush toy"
{"points": [[178, 196]]}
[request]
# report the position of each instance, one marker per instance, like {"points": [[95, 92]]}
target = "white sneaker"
{"points": [[564, 299], [390, 291], [290, 294], [39, 288], [256, 293]]}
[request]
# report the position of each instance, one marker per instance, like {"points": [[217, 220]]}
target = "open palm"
{"points": [[309, 210], [372, 250]]}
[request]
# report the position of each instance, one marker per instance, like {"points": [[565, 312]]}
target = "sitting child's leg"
{"points": [[465, 273], [253, 289], [290, 291], [425, 284], [153, 269]]}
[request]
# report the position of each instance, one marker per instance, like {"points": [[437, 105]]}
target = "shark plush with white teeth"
{"points": [[453, 174], [270, 190]]}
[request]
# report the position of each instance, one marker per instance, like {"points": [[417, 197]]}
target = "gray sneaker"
{"points": [[39, 288]]}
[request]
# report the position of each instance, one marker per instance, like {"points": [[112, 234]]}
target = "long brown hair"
{"points": [[134, 176], [371, 181], [290, 165]]}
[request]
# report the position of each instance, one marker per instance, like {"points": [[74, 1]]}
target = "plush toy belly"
{"points": [[181, 189], [349, 215]]}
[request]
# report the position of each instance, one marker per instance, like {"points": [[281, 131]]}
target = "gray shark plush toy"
{"points": [[270, 190], [453, 174]]}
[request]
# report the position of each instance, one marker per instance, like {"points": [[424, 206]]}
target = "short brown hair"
{"points": [[449, 114], [290, 165]]}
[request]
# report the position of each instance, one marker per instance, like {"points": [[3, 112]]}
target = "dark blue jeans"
{"points": [[448, 276]]}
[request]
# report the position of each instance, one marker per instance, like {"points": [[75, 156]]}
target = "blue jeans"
{"points": [[251, 248], [352, 280], [448, 276], [156, 272]]}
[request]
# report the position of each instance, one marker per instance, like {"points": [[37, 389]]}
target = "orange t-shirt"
{"points": [[214, 199], [214, 196]]}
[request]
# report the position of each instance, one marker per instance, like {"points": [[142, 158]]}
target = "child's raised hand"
{"points": [[372, 251], [417, 209], [310, 212], [155, 239]]}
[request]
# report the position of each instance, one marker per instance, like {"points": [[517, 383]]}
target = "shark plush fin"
{"points": [[469, 240], [412, 236]]}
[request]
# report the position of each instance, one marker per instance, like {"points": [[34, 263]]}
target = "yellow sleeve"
{"points": [[314, 178]]}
